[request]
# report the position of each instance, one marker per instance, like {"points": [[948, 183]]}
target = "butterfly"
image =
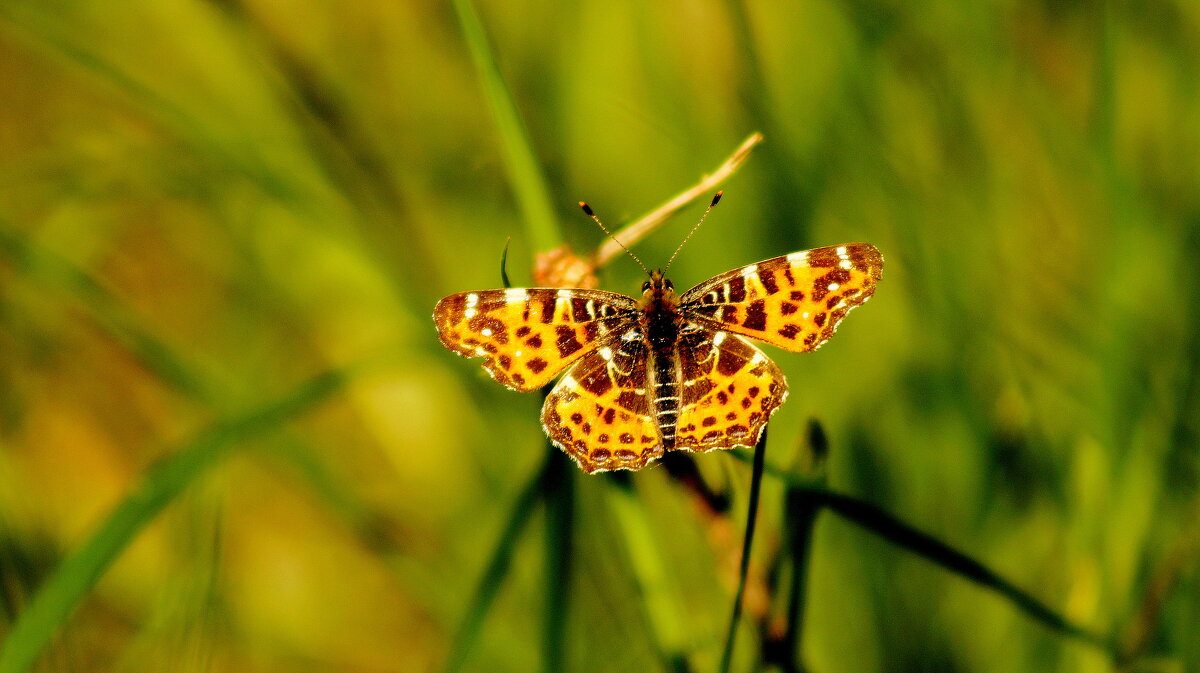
{"points": [[666, 373]]}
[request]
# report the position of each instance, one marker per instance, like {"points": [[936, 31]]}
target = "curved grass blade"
{"points": [[899, 533], [53, 271], [504, 265], [529, 186], [756, 474], [497, 567], [78, 573], [46, 27]]}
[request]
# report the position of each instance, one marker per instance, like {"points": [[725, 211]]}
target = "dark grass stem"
{"points": [[901, 534], [756, 474], [497, 568], [80, 570], [801, 517], [504, 281], [800, 510], [558, 490]]}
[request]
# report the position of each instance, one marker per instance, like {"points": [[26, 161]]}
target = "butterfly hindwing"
{"points": [[794, 302], [730, 389], [599, 412], [528, 336]]}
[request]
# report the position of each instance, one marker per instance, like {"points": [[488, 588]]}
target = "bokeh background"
{"points": [[204, 205]]}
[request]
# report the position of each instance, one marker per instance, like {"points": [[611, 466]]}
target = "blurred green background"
{"points": [[203, 205]]}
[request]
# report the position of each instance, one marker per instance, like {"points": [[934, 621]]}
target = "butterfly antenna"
{"points": [[707, 210], [588, 210]]}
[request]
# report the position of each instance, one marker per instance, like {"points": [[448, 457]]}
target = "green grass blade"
{"points": [[44, 24], [790, 206], [497, 568], [899, 533], [558, 490], [59, 274], [760, 451], [661, 604], [505, 282], [78, 573], [529, 186]]}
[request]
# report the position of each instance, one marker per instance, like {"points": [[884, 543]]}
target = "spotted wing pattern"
{"points": [[794, 302], [530, 335], [599, 413], [730, 389], [661, 376]]}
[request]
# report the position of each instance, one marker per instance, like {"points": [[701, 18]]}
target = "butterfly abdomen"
{"points": [[661, 323]]}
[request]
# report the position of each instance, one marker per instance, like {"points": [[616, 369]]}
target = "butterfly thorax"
{"points": [[660, 318]]}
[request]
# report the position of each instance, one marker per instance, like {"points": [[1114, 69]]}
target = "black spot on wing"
{"points": [[567, 341], [821, 285], [579, 309], [737, 289], [591, 330], [547, 314], [756, 316], [767, 277]]}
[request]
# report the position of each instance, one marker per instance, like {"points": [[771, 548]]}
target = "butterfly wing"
{"points": [[528, 336], [730, 389], [795, 301], [599, 412]]}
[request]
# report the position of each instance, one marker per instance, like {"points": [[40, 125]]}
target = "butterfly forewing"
{"points": [[528, 336], [794, 302]]}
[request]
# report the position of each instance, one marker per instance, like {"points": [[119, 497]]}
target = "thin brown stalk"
{"points": [[704, 188], [1141, 629]]}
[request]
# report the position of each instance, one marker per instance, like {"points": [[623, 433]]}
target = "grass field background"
{"points": [[230, 440]]}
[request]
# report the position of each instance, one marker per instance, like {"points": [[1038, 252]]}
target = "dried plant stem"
{"points": [[647, 223], [1141, 629]]}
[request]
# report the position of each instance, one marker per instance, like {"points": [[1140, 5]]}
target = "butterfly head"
{"points": [[657, 286]]}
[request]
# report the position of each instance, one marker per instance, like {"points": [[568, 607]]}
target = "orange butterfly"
{"points": [[667, 373]]}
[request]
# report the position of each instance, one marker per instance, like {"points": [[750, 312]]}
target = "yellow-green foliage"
{"points": [[224, 225]]}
